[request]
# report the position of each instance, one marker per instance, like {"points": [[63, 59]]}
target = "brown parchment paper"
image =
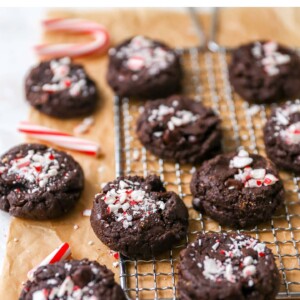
{"points": [[38, 239]]}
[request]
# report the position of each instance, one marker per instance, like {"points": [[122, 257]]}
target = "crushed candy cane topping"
{"points": [[128, 202], [35, 168], [142, 53], [64, 79], [178, 117], [67, 288], [270, 57], [235, 264], [289, 132], [250, 177]]}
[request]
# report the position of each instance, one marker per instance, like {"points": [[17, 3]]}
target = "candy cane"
{"points": [[59, 254], [98, 45], [59, 138]]}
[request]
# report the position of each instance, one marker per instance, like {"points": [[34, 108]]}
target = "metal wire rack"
{"points": [[206, 80]]}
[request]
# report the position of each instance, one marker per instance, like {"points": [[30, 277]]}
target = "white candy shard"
{"points": [[249, 271], [258, 173], [66, 287], [270, 179], [240, 162], [248, 260], [39, 295]]}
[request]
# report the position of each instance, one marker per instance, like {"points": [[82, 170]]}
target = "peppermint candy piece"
{"points": [[292, 133], [270, 47], [135, 63], [249, 271], [270, 179], [253, 183], [59, 254], [271, 70], [258, 173], [40, 295], [240, 162], [257, 50], [99, 44], [282, 59], [66, 287], [248, 260], [243, 153]]}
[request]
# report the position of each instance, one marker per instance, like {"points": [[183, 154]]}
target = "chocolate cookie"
{"points": [[74, 279], [37, 182], [265, 72], [144, 68], [237, 190], [180, 129], [228, 267], [61, 89], [137, 217], [282, 136]]}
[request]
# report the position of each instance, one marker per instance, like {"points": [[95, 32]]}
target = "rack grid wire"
{"points": [[206, 80]]}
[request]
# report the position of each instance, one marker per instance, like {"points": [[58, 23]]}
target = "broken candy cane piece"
{"points": [[258, 173], [59, 254], [59, 138], [270, 179], [270, 47], [240, 162], [135, 63], [99, 44], [253, 183]]}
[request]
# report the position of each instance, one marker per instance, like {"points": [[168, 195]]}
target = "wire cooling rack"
{"points": [[206, 80]]}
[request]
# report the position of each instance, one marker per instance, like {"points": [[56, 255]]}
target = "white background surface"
{"points": [[19, 31]]}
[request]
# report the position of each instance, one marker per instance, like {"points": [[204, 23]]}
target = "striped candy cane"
{"points": [[59, 138], [59, 254], [99, 34]]}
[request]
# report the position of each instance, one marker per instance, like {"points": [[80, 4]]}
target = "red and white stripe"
{"points": [[59, 138], [59, 254], [99, 44]]}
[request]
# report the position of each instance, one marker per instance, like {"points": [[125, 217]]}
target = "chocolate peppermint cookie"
{"points": [[265, 72], [74, 279], [180, 129], [282, 136], [144, 68], [37, 182], [237, 189], [227, 266], [61, 89], [137, 217]]}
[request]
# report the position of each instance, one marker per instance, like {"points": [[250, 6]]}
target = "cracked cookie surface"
{"points": [[37, 182], [180, 129], [227, 266], [237, 189], [73, 279], [137, 217], [61, 89]]}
